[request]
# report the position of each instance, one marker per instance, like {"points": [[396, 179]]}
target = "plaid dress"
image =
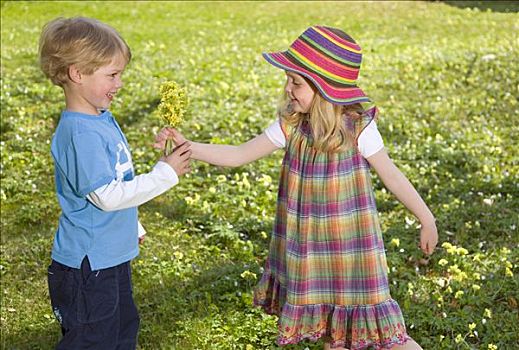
{"points": [[326, 273]]}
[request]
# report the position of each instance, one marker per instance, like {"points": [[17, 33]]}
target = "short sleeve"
{"points": [[86, 163], [370, 141], [275, 134]]}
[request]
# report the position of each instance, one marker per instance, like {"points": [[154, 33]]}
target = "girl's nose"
{"points": [[119, 83]]}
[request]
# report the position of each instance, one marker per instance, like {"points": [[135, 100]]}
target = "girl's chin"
{"points": [[298, 109]]}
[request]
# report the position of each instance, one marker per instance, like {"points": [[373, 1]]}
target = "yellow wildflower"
{"points": [[451, 249], [248, 275], [410, 289], [173, 103], [458, 338], [454, 269], [492, 347], [461, 251], [395, 242], [459, 294], [446, 245], [477, 257], [442, 262], [172, 107], [476, 287], [460, 276], [472, 326], [266, 180], [488, 313]]}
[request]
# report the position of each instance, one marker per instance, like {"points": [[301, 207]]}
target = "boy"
{"points": [[98, 232]]}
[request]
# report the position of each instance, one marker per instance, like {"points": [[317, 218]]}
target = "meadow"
{"points": [[445, 79]]}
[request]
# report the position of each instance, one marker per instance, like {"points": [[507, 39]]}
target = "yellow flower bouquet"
{"points": [[172, 108]]}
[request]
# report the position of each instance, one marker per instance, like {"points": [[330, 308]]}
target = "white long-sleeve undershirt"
{"points": [[120, 194]]}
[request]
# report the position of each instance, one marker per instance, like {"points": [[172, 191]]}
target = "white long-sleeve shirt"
{"points": [[120, 194]]}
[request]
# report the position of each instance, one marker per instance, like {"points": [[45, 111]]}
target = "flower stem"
{"points": [[168, 149]]}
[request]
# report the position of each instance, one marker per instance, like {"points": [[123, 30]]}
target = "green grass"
{"points": [[445, 79]]}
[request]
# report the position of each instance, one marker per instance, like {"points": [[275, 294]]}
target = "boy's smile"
{"points": [[94, 92]]}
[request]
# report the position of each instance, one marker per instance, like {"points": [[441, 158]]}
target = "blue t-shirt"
{"points": [[90, 151]]}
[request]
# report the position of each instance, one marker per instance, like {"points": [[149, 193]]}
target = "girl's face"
{"points": [[300, 93]]}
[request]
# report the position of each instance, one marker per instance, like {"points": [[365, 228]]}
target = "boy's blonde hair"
{"points": [[85, 42], [327, 122]]}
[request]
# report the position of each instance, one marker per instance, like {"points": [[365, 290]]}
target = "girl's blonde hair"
{"points": [[327, 121], [85, 42]]}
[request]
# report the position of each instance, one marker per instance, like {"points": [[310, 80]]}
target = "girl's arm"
{"points": [[221, 155], [400, 186]]}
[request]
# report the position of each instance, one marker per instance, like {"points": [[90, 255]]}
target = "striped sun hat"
{"points": [[328, 57]]}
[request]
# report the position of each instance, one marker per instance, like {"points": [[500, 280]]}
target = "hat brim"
{"points": [[333, 94]]}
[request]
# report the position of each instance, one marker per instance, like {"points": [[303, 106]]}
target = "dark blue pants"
{"points": [[95, 308]]}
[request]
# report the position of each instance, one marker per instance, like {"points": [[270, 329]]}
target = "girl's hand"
{"points": [[160, 139], [168, 133], [428, 238], [177, 137]]}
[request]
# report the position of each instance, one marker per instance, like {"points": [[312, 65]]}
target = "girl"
{"points": [[326, 273]]}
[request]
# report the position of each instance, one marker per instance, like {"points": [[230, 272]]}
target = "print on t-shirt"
{"points": [[124, 165]]}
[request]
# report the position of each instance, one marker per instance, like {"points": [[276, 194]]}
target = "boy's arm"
{"points": [[120, 194], [405, 192]]}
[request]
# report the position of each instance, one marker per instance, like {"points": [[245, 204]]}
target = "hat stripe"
{"points": [[330, 82], [351, 44], [330, 46], [351, 58], [316, 46], [326, 63], [312, 66], [331, 92]]}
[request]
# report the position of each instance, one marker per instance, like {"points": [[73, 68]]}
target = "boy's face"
{"points": [[300, 93], [98, 89]]}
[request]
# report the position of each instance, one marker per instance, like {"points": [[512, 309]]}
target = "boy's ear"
{"points": [[74, 74]]}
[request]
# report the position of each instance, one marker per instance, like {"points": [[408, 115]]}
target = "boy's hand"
{"points": [[428, 238], [179, 159], [142, 238], [168, 133]]}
